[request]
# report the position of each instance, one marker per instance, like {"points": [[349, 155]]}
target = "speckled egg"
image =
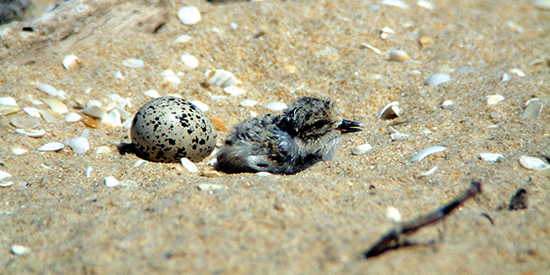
{"points": [[167, 129]]}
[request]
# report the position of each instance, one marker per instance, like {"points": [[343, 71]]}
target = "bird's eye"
{"points": [[320, 124]]}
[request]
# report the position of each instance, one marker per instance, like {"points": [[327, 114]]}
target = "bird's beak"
{"points": [[348, 126]]}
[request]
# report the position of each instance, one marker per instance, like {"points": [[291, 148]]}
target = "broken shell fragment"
{"points": [[399, 56], [391, 111], [8, 101], [111, 181], [25, 122], [71, 62], [52, 146], [361, 149], [189, 15], [541, 4], [276, 106], [51, 90], [189, 165], [426, 152], [491, 157], [133, 63], [494, 99], [437, 79], [533, 163], [220, 78], [190, 61], [20, 250], [31, 133], [56, 106], [534, 109]]}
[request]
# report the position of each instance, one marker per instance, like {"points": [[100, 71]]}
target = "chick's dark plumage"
{"points": [[309, 131]]}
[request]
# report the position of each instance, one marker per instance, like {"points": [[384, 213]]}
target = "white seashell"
{"points": [[447, 104], [533, 163], [56, 106], [534, 109], [127, 124], [387, 30], [18, 151], [518, 72], [85, 134], [152, 93], [72, 117], [170, 76], [71, 61], [189, 165], [93, 102], [182, 39], [79, 145], [263, 174], [213, 162], [112, 119], [118, 75], [49, 89], [541, 4], [123, 114], [399, 136], [391, 111], [437, 79], [491, 157], [234, 26], [276, 106], [426, 152], [31, 133], [120, 101], [425, 4], [20, 250], [189, 15], [133, 63], [52, 146], [140, 162], [429, 172], [234, 91], [494, 99], [393, 214], [103, 150], [110, 182], [6, 184], [248, 103], [395, 3], [211, 187], [190, 61], [200, 105], [220, 78], [88, 171], [399, 56], [47, 116], [372, 48], [95, 111], [32, 111], [361, 149], [4, 175], [6, 110], [25, 122], [505, 77], [8, 101]]}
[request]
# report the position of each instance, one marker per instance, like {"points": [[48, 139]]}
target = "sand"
{"points": [[319, 221]]}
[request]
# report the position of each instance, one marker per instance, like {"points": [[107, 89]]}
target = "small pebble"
{"points": [[437, 79], [491, 157], [133, 63], [399, 56], [211, 187], [426, 152], [494, 99], [110, 182], [361, 149], [190, 61], [189, 15], [25, 122], [20, 250], [425, 41], [52, 146], [533, 163], [79, 145], [519, 200], [189, 165], [276, 106]]}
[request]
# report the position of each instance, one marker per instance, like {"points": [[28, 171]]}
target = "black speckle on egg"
{"points": [[167, 129]]}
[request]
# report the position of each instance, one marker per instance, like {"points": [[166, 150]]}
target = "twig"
{"points": [[391, 239]]}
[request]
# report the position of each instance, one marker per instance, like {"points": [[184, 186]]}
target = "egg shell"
{"points": [[167, 129]]}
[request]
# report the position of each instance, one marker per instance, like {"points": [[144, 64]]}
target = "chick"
{"points": [[309, 131]]}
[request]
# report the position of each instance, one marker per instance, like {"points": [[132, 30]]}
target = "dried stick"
{"points": [[390, 240]]}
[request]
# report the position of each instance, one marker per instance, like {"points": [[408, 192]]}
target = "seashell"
{"points": [[276, 106], [399, 56], [4, 175], [426, 152], [264, 174], [80, 145], [88, 171], [395, 3], [189, 165], [95, 111], [541, 4], [112, 119], [93, 102], [200, 105], [139, 163], [424, 41], [6, 184], [71, 61], [133, 63], [170, 76], [20, 250], [8, 101], [51, 90], [220, 78], [119, 76], [391, 111], [429, 172], [425, 4], [32, 112], [505, 77], [393, 214], [124, 116], [189, 15], [372, 48], [361, 149], [72, 117], [18, 151], [491, 157], [518, 72], [437, 79], [399, 136], [494, 99], [190, 61], [248, 103], [6, 110], [47, 116], [152, 93], [447, 104], [234, 91], [182, 39], [56, 106], [534, 109], [52, 146], [120, 101], [103, 150], [110, 182], [31, 133], [234, 26], [211, 187], [533, 163], [25, 122]]}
